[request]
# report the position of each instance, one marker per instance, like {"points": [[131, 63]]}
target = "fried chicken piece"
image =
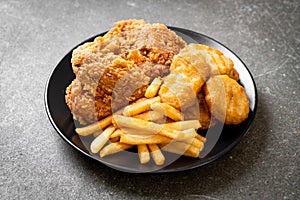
{"points": [[123, 37], [97, 90], [226, 99], [117, 67]]}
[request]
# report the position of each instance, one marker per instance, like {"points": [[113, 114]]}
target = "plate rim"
{"points": [[162, 170]]}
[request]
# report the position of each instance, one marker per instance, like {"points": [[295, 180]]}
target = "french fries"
{"points": [[140, 124], [150, 116], [182, 148], [157, 155], [153, 88], [201, 138], [168, 110], [117, 133], [139, 106], [143, 153], [114, 139], [183, 125], [132, 131], [100, 140], [100, 125], [138, 139], [135, 123], [114, 147]]}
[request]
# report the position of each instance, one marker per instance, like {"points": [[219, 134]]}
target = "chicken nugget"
{"points": [[226, 99]]}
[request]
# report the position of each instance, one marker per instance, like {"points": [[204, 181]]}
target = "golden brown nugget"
{"points": [[189, 71], [222, 65], [157, 155], [114, 148], [226, 99], [143, 152]]}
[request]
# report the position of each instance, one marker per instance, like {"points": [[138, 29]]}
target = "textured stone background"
{"points": [[35, 163]]}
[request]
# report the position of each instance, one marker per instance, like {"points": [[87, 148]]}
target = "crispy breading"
{"points": [[221, 65], [115, 69], [126, 35], [226, 99], [189, 70]]}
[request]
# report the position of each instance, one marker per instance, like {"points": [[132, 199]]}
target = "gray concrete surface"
{"points": [[35, 163]]}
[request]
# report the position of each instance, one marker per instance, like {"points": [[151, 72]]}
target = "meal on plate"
{"points": [[141, 86]]}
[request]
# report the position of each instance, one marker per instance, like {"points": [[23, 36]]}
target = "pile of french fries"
{"points": [[148, 124]]}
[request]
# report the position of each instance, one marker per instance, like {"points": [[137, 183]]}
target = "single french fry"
{"points": [[100, 125], [171, 133], [114, 139], [95, 134], [143, 153], [183, 125], [201, 138], [156, 154], [150, 116], [143, 139], [194, 141], [100, 141], [153, 88], [182, 148], [134, 123], [197, 143], [190, 133], [167, 110], [117, 133], [132, 131], [139, 106], [175, 147], [114, 148]]}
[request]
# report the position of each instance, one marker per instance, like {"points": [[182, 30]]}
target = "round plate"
{"points": [[62, 120]]}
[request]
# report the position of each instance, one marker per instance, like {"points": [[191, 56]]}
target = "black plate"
{"points": [[216, 145]]}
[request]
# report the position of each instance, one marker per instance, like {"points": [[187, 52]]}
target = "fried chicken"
{"points": [[115, 69], [123, 37], [226, 99]]}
